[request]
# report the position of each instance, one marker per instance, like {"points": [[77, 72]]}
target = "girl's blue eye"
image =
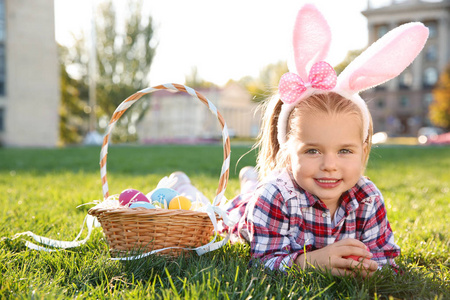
{"points": [[345, 151], [312, 151]]}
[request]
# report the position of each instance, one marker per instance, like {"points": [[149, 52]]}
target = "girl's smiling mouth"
{"points": [[327, 183]]}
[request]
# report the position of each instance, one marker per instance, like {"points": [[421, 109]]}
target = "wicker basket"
{"points": [[138, 229]]}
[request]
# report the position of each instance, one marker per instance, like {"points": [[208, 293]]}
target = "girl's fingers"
{"points": [[353, 270], [342, 272], [365, 266], [356, 252], [351, 264], [351, 242], [346, 263], [369, 264]]}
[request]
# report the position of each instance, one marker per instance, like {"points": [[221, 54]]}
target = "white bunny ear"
{"points": [[311, 39], [383, 60]]}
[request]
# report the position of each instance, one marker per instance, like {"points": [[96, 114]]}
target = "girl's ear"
{"points": [[364, 158], [288, 162], [384, 59], [311, 39]]}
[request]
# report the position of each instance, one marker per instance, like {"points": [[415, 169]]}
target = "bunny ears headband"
{"points": [[382, 61]]}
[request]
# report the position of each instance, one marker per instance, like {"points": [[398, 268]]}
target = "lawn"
{"points": [[43, 187]]}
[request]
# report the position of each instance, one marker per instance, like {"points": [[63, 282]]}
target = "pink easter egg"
{"points": [[129, 196]]}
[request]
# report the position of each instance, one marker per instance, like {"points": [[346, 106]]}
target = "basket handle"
{"points": [[127, 103]]}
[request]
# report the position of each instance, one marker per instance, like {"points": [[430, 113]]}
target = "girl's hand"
{"points": [[332, 258]]}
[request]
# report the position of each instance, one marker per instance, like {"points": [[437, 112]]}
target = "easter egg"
{"points": [[129, 196], [163, 195], [147, 205], [180, 202], [355, 257]]}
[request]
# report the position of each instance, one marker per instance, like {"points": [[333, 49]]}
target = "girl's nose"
{"points": [[329, 163]]}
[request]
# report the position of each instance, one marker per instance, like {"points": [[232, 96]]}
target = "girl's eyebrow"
{"points": [[314, 144], [349, 145]]}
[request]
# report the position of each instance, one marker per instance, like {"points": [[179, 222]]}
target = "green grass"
{"points": [[41, 189]]}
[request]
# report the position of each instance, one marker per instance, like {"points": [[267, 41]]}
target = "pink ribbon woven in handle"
{"points": [[127, 103]]}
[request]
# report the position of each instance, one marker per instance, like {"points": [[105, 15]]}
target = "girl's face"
{"points": [[326, 159]]}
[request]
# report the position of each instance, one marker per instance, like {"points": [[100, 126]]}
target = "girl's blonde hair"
{"points": [[272, 155]]}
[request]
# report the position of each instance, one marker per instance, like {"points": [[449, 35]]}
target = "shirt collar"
{"points": [[353, 197], [309, 199]]}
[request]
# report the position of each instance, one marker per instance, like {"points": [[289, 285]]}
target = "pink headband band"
{"points": [[382, 61]]}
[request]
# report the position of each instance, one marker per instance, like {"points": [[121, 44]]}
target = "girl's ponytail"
{"points": [[268, 144]]}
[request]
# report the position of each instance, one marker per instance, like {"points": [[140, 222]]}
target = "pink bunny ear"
{"points": [[383, 60], [311, 39]]}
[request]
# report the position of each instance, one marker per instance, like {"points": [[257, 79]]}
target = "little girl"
{"points": [[313, 206]]}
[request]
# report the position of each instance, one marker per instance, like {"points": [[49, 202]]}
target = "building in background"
{"points": [[29, 75], [178, 117], [400, 107]]}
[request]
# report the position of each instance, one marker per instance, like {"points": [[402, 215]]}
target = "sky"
{"points": [[223, 39]]}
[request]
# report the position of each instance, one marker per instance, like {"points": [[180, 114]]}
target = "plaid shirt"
{"points": [[282, 221]]}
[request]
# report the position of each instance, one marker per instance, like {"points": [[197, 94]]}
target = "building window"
{"points": [[427, 99], [430, 77], [2, 48], [380, 103], [432, 27], [404, 101], [405, 80], [431, 53], [382, 30]]}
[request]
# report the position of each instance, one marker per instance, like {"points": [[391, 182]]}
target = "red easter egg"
{"points": [[129, 196], [354, 257]]}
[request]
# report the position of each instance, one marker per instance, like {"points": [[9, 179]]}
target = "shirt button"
{"points": [[324, 214]]}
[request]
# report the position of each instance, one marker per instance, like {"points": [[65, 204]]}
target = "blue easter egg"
{"points": [[142, 204], [163, 195]]}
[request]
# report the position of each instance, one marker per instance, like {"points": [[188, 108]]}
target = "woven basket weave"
{"points": [[130, 230]]}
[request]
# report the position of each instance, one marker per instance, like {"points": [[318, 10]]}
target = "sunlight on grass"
{"points": [[43, 187]]}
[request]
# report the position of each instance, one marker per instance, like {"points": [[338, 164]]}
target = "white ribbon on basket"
{"points": [[91, 222]]}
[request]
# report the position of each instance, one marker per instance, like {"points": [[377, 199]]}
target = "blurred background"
{"points": [[65, 65]]}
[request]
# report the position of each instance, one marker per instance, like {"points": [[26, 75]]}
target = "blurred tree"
{"points": [[266, 84], [74, 106], [440, 107], [124, 56], [351, 55], [194, 80]]}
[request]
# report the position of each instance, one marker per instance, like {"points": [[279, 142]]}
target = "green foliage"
{"points": [[268, 80], [124, 56], [73, 119], [42, 188], [74, 102], [194, 81], [351, 55], [440, 108]]}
